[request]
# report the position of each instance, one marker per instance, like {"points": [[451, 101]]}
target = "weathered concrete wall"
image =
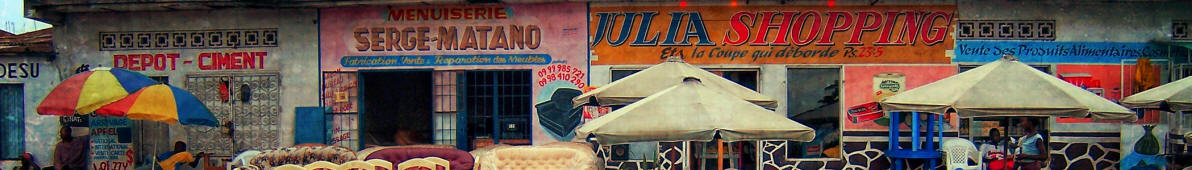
{"points": [[41, 132], [294, 56], [1100, 21]]}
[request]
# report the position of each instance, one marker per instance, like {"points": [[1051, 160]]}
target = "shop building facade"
{"points": [[252, 68], [473, 75], [467, 76], [829, 90]]}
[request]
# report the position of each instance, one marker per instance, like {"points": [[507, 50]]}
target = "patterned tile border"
{"points": [[188, 39], [1006, 30]]}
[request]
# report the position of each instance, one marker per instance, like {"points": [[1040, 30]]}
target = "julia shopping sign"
{"points": [[771, 34]]}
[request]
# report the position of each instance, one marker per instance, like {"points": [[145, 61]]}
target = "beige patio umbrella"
{"points": [[1174, 96], [658, 77], [1006, 88], [693, 111]]}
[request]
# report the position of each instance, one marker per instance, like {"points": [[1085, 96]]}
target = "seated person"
{"points": [[27, 163], [993, 152], [171, 159]]}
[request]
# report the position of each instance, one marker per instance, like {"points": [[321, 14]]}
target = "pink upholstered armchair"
{"points": [[460, 160]]}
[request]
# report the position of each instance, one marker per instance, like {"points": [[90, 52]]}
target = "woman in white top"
{"points": [[1033, 148]]}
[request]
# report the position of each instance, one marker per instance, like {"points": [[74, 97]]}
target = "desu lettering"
{"points": [[770, 28], [20, 70]]}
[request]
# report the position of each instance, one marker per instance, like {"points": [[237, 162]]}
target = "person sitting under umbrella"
{"points": [[171, 159], [27, 162], [994, 151], [71, 152]]}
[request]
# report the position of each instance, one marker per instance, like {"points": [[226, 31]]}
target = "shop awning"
{"points": [[1006, 88], [693, 111], [658, 77], [1174, 96]]}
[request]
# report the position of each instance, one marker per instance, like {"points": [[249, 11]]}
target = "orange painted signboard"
{"points": [[771, 34]]}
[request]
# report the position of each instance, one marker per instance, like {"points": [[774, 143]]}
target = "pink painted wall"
{"points": [[858, 86], [1111, 76]]}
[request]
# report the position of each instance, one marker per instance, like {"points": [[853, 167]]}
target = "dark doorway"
{"points": [[813, 99], [498, 104], [397, 107]]}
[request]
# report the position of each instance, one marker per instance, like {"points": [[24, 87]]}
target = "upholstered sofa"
{"points": [[560, 155], [459, 160], [302, 155]]}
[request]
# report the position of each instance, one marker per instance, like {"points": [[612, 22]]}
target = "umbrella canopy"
{"points": [[692, 111], [1175, 96], [658, 77], [1006, 88], [85, 92], [162, 103]]}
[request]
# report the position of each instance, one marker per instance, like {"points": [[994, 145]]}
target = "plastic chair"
{"points": [[356, 165], [381, 164], [289, 167], [416, 162], [243, 158], [959, 152], [322, 165], [439, 162]]}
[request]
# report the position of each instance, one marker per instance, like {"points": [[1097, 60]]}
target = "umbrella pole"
{"points": [[719, 154], [1006, 148]]}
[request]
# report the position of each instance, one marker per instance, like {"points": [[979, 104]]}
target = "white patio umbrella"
{"points": [[658, 77], [1174, 96], [693, 111], [1006, 88]]}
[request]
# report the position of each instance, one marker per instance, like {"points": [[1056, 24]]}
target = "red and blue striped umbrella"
{"points": [[162, 103], [85, 92]]}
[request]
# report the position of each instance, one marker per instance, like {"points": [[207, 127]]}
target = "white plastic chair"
{"points": [[958, 153], [289, 167], [356, 165], [243, 159], [321, 165], [381, 164]]}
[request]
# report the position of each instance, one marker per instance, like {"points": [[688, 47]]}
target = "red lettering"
{"points": [[884, 39], [173, 60], [235, 60], [739, 28], [261, 60], [118, 61], [796, 35], [863, 19], [134, 62], [232, 60], [783, 28], [159, 62], [939, 31], [911, 26], [833, 17], [205, 57], [764, 29]]}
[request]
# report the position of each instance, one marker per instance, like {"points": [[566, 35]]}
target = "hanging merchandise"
{"points": [[224, 91], [1145, 75], [245, 93]]}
